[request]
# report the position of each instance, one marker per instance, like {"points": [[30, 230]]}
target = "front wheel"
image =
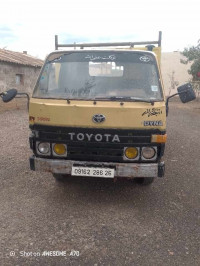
{"points": [[59, 177], [145, 181]]}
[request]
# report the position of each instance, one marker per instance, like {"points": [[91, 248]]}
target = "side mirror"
{"points": [[7, 96], [186, 93]]}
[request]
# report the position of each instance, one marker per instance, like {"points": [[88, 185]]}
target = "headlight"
{"points": [[44, 148], [148, 153], [59, 149], [131, 153]]}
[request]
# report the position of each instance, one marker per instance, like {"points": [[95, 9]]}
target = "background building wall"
{"points": [[170, 62], [27, 74]]}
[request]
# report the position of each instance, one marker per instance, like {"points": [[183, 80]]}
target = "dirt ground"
{"points": [[193, 106], [15, 104], [95, 221]]}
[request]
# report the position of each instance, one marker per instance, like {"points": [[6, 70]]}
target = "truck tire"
{"points": [[59, 177], [145, 181]]}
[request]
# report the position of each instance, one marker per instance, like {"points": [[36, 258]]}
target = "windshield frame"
{"points": [[56, 54]]}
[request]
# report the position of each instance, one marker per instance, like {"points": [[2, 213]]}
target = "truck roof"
{"points": [[156, 51], [147, 46]]}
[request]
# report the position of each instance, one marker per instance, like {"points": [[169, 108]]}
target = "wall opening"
{"points": [[19, 79]]}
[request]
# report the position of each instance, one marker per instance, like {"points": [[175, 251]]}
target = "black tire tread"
{"points": [[145, 181], [59, 177]]}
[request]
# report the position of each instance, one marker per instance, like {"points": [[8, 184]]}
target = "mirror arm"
{"points": [[26, 95], [167, 101], [2, 94]]}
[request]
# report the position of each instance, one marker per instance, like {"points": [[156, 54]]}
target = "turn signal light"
{"points": [[131, 152], [159, 138], [60, 149]]}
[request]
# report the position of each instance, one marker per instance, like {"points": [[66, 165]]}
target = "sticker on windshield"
{"points": [[154, 88], [57, 59], [145, 58], [94, 57]]}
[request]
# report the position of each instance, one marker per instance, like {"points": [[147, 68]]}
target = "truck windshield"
{"points": [[91, 75]]}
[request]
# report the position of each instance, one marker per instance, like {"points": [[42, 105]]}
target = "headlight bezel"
{"points": [[38, 143], [51, 151], [59, 155], [153, 158], [134, 159]]}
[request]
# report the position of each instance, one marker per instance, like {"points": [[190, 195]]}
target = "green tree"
{"points": [[192, 54]]}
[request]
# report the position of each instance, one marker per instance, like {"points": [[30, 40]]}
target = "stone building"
{"points": [[18, 70]]}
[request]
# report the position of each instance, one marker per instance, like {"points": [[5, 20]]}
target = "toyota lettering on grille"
{"points": [[98, 118], [93, 137]]}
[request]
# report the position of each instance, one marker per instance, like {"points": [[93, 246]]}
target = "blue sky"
{"points": [[7, 36], [31, 24]]}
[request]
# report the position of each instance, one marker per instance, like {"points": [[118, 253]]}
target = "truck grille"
{"points": [[85, 144]]}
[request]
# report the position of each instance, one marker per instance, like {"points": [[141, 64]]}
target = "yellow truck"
{"points": [[99, 110]]}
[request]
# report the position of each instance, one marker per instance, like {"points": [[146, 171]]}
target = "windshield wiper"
{"points": [[132, 99]]}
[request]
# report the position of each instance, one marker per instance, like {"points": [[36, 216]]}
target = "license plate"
{"points": [[92, 171]]}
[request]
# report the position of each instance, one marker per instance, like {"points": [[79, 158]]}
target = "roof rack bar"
{"points": [[159, 38], [105, 44], [131, 44], [56, 42]]}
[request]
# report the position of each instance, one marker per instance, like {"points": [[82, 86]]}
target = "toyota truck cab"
{"points": [[101, 112]]}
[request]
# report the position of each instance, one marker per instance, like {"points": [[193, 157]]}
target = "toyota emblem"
{"points": [[145, 59], [98, 118]]}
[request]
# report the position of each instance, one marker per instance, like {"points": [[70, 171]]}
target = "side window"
{"points": [[52, 82], [19, 79], [105, 69], [49, 78], [43, 82]]}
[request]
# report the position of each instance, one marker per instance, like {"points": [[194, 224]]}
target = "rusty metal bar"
{"points": [[159, 38], [130, 170], [131, 44], [56, 42]]}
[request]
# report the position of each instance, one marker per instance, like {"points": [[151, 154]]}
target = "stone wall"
{"points": [[22, 78]]}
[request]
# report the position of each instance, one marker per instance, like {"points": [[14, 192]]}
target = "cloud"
{"points": [[7, 36], [31, 25]]}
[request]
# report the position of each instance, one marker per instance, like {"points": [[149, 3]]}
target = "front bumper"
{"points": [[128, 170]]}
